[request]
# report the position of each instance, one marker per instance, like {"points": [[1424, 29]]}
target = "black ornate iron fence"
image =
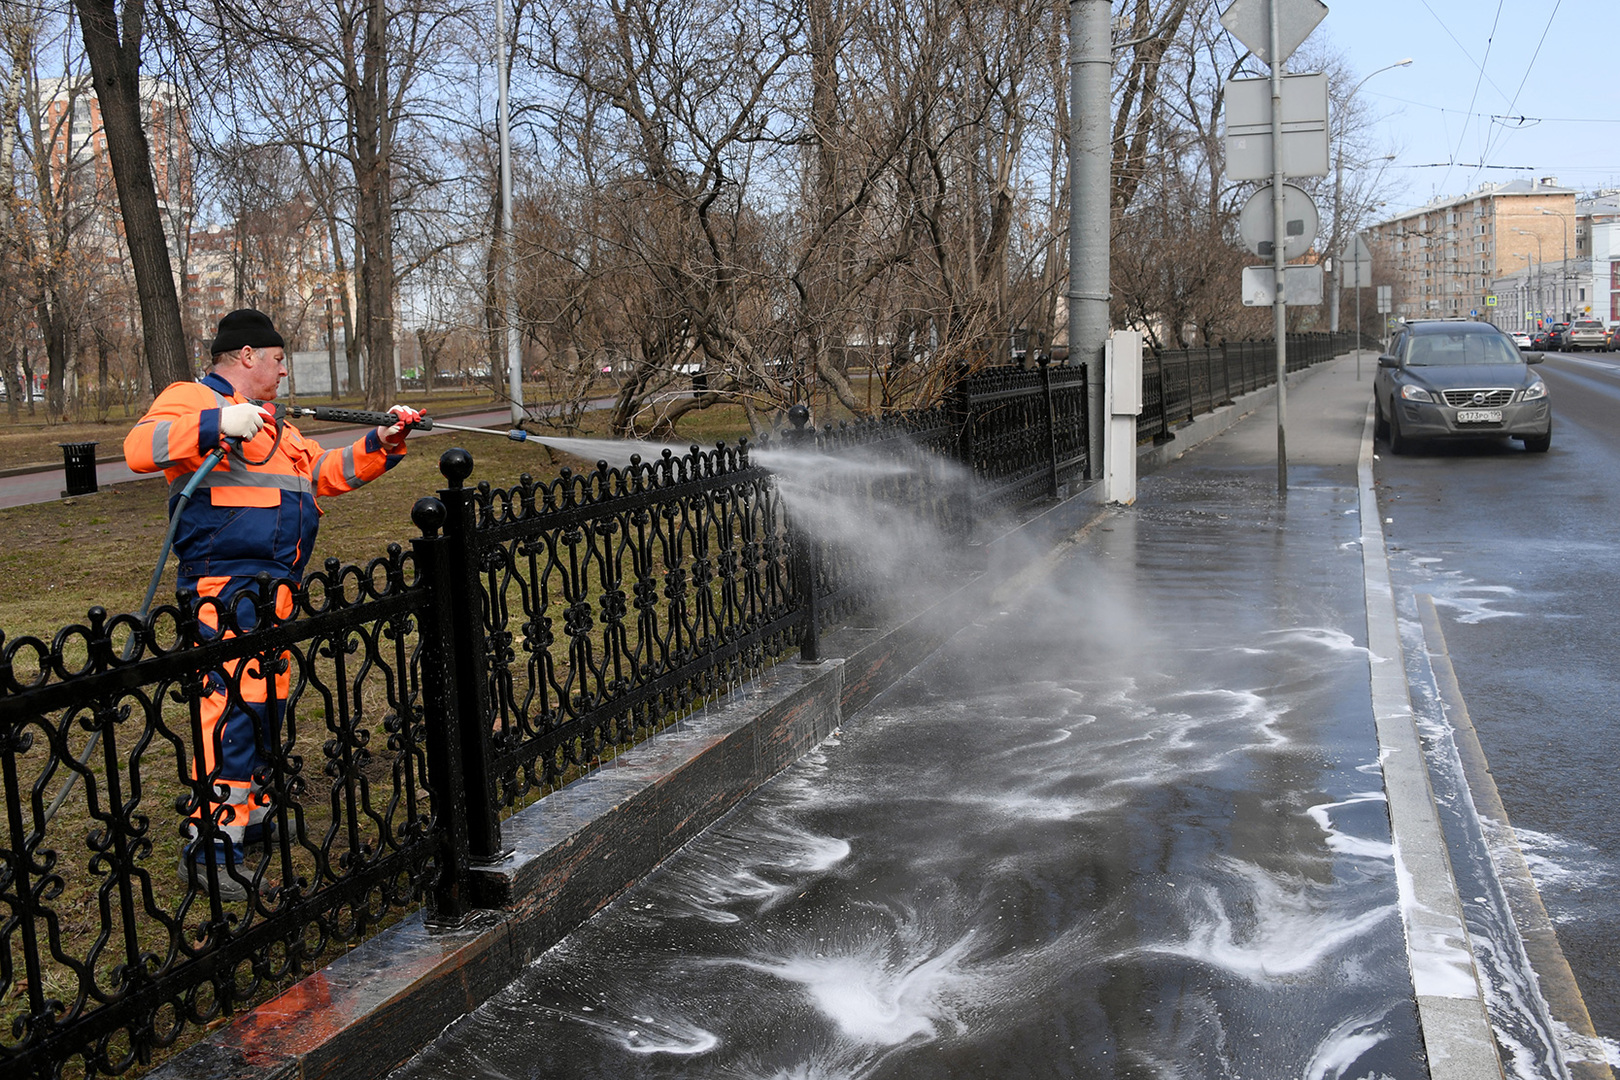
{"points": [[107, 953], [1025, 433], [1178, 385], [588, 611], [408, 705]]}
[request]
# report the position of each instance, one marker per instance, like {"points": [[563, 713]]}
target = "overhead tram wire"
{"points": [[1528, 68], [1463, 133], [1498, 116], [1463, 47]]}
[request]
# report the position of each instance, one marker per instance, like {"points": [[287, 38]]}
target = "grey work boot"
{"points": [[193, 872]]}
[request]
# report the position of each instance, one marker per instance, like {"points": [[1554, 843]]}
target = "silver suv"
{"points": [[1584, 334], [1459, 380]]}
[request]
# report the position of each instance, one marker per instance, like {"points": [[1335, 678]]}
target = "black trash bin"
{"points": [[79, 463]]}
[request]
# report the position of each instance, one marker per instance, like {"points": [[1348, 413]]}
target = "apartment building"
{"points": [[79, 142], [1587, 285], [1445, 259]]}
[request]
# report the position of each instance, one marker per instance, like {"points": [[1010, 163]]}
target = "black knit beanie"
{"points": [[246, 326]]}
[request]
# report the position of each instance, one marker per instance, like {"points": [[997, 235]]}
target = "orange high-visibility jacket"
{"points": [[244, 519]]}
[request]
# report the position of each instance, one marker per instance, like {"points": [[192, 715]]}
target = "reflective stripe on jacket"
{"points": [[244, 518]]}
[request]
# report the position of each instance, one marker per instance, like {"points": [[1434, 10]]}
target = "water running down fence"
{"points": [[527, 633]]}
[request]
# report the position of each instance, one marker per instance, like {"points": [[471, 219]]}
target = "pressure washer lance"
{"points": [[383, 419]]}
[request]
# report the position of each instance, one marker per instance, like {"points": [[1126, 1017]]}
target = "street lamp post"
{"points": [[1524, 293], [1338, 191], [1541, 275], [509, 332], [1563, 269]]}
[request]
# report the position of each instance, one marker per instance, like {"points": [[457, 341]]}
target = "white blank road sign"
{"points": [[1305, 125], [1304, 284]]}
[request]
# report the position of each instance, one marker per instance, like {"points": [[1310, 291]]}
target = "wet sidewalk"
{"points": [[1134, 820]]}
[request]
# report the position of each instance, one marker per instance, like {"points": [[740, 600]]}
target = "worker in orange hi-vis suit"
{"points": [[253, 513]]}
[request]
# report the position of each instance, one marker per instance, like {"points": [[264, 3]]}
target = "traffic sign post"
{"points": [[1273, 29], [1304, 127], [1360, 260], [1304, 286]]}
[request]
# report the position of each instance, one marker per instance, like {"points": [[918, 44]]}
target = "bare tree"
{"points": [[113, 41], [53, 203], [342, 83]]}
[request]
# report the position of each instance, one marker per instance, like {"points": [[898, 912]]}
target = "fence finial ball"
{"points": [[456, 465], [429, 515], [799, 415]]}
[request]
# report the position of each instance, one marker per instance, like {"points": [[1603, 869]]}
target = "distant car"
{"points": [[1611, 339], [1542, 339], [1556, 335], [1520, 338], [1585, 334], [1459, 380]]}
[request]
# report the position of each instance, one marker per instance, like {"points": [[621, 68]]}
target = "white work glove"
{"points": [[245, 420], [393, 435]]}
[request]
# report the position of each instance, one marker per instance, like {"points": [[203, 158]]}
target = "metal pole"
{"points": [[1338, 247], [1279, 238], [514, 354], [1563, 276], [1090, 67], [1358, 313]]}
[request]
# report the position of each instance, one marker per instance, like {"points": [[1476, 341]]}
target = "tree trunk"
{"points": [[53, 328], [103, 402], [374, 143], [28, 378], [12, 384], [113, 46]]}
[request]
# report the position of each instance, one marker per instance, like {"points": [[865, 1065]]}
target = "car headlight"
{"points": [[1534, 392], [1415, 393]]}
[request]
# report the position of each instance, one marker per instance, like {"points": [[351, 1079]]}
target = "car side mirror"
{"points": [[1388, 361], [1534, 357]]}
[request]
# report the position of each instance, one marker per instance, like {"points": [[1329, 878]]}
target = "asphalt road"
{"points": [[1518, 551]]}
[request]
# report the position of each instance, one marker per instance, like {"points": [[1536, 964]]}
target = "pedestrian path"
{"points": [[1163, 811]]}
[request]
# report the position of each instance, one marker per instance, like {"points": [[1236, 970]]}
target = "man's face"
{"points": [[263, 370]]}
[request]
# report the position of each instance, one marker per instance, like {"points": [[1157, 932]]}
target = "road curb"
{"points": [[1546, 956], [1457, 1034]]}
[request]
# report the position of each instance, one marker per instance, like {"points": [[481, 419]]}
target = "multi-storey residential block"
{"points": [[1586, 285], [1446, 259], [73, 114]]}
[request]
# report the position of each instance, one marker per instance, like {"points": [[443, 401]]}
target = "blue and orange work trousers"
{"points": [[241, 713]]}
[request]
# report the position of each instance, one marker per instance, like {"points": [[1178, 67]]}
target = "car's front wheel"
{"points": [[1398, 443], [1538, 444]]}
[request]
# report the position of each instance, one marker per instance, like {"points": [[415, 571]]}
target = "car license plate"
{"points": [[1479, 416]]}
